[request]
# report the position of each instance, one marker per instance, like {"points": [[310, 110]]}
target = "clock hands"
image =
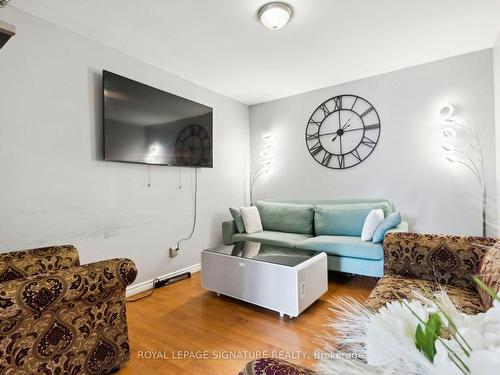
{"points": [[346, 124], [340, 132], [351, 130], [345, 131], [330, 133], [334, 138]]}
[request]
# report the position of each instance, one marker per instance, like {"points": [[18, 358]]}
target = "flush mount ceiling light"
{"points": [[275, 15]]}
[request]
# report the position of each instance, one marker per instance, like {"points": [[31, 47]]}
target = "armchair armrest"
{"points": [[228, 229], [36, 294], [68, 321], [20, 264], [442, 258]]}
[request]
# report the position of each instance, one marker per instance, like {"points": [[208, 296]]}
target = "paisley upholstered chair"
{"points": [[413, 260], [444, 262], [57, 317]]}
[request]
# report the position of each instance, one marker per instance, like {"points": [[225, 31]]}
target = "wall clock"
{"points": [[193, 146], [343, 131]]}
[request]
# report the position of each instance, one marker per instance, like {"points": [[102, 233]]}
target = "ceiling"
{"points": [[220, 44]]}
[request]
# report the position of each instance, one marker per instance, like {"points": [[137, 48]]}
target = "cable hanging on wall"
{"points": [[179, 187], [195, 217], [149, 175]]}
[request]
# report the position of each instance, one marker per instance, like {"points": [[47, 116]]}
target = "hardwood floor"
{"points": [[171, 331]]}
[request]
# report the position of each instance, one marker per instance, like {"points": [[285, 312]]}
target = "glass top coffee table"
{"points": [[278, 278]]}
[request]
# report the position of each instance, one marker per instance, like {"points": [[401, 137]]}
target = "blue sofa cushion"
{"points": [[286, 217], [344, 219], [344, 246], [272, 238], [391, 221]]}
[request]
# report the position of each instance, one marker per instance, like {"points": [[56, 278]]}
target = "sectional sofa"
{"points": [[333, 226]]}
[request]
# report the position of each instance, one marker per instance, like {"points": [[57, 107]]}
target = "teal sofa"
{"points": [[332, 226]]}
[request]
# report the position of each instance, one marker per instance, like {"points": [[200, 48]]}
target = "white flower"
{"points": [[390, 335], [481, 331], [443, 365], [485, 362], [387, 339], [481, 334]]}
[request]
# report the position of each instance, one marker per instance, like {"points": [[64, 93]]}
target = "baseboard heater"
{"points": [[172, 279], [7, 31]]}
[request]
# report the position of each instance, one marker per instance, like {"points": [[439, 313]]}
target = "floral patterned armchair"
{"points": [[412, 260], [57, 317]]}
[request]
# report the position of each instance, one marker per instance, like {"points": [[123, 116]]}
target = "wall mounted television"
{"points": [[146, 125]]}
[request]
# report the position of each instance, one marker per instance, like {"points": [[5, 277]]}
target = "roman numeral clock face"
{"points": [[343, 131]]}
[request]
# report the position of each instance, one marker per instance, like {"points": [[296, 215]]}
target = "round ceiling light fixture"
{"points": [[275, 15]]}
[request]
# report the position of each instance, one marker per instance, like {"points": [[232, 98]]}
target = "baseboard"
{"points": [[148, 284]]}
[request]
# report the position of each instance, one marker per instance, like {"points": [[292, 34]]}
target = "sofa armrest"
{"points": [[402, 227], [20, 264], [445, 259], [228, 229], [36, 294]]}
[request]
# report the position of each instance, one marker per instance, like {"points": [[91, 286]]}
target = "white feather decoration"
{"points": [[383, 341]]}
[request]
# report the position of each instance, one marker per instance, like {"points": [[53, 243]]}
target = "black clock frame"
{"points": [[364, 129]]}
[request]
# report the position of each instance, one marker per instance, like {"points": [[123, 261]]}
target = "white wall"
{"points": [[407, 166], [496, 63], [55, 188]]}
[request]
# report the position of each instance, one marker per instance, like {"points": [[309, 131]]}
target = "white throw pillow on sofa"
{"points": [[372, 221], [251, 219]]}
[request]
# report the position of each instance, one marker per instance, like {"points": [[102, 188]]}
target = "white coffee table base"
{"points": [[284, 289]]}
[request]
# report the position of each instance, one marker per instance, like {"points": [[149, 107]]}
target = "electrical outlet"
{"points": [[173, 251]]}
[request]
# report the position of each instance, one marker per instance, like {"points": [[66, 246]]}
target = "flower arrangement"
{"points": [[427, 336]]}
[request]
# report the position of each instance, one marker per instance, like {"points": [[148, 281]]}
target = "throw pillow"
{"points": [[372, 221], [235, 213], [250, 249], [251, 219], [391, 221]]}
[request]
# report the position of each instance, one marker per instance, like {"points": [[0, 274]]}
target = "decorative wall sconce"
{"points": [[463, 147], [261, 162]]}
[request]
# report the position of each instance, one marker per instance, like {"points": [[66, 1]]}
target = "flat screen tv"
{"points": [[146, 125]]}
